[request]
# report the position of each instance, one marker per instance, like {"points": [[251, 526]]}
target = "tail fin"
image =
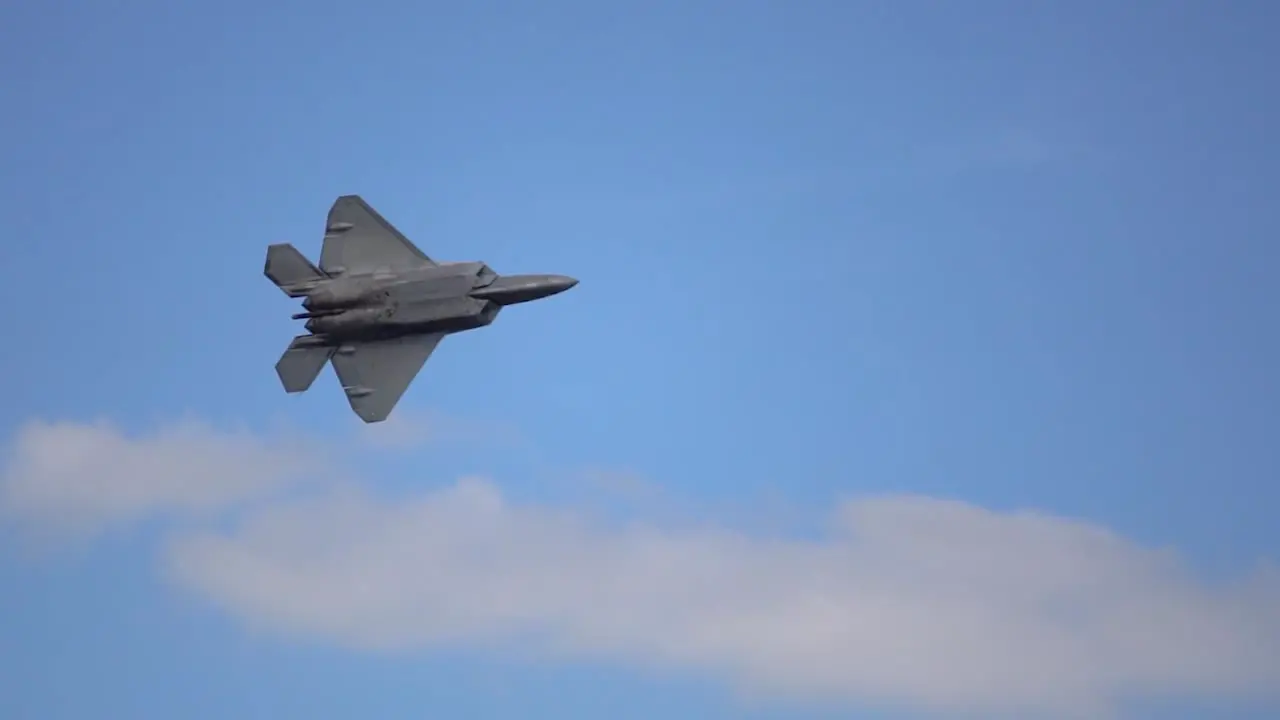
{"points": [[290, 270], [301, 363]]}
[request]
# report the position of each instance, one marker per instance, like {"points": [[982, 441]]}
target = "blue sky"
{"points": [[860, 283]]}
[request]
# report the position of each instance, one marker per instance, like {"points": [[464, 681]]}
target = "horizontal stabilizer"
{"points": [[301, 363], [290, 270]]}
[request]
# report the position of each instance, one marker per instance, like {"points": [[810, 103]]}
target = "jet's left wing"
{"points": [[374, 375], [358, 240]]}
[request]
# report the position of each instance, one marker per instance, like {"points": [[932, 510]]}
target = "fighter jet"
{"points": [[378, 306]]}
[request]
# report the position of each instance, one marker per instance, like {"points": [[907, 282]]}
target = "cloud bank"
{"points": [[85, 478], [907, 601]]}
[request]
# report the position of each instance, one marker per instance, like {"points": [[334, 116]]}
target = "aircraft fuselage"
{"points": [[444, 299]]}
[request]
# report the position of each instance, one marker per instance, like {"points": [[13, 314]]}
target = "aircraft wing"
{"points": [[377, 373], [359, 240]]}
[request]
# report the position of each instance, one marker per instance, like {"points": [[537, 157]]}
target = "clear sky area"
{"points": [[923, 362]]}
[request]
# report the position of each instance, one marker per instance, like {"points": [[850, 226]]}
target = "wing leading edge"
{"points": [[376, 374], [358, 240]]}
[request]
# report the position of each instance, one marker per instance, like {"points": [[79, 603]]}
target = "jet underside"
{"points": [[377, 306], [426, 302]]}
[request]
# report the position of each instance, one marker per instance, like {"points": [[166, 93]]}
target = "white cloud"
{"points": [[82, 478], [913, 601]]}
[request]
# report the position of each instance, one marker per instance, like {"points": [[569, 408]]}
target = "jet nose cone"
{"points": [[512, 289], [549, 285]]}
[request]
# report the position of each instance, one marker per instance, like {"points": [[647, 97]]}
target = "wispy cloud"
{"points": [[1010, 150], [407, 430], [80, 479], [924, 603]]}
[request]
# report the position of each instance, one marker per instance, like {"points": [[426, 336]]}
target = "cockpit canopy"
{"points": [[485, 276]]}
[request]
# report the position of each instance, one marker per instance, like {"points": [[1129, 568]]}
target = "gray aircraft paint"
{"points": [[377, 306]]}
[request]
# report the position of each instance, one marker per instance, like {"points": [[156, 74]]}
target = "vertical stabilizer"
{"points": [[301, 363]]}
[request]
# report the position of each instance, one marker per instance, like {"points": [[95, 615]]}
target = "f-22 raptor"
{"points": [[378, 306]]}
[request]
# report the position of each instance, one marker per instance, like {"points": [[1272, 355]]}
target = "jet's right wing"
{"points": [[358, 240], [375, 374]]}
